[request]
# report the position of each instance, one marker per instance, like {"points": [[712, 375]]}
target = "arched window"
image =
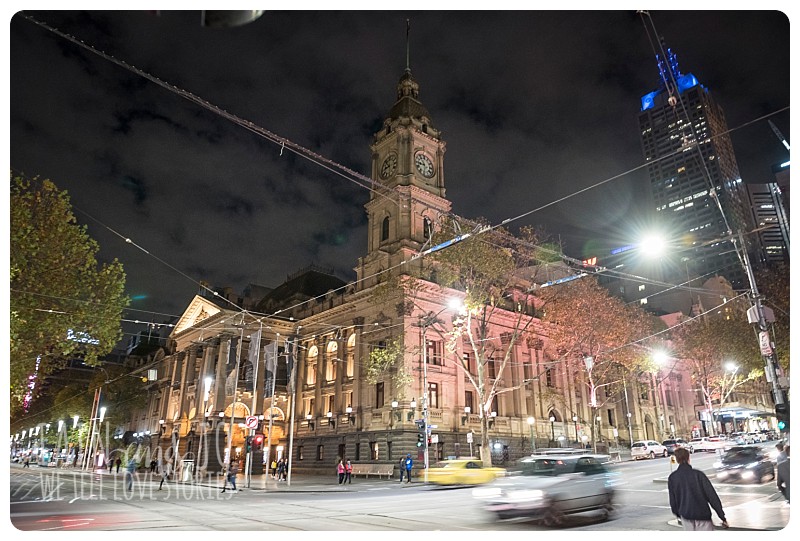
{"points": [[350, 355], [330, 361], [427, 228], [311, 366], [385, 229], [553, 413]]}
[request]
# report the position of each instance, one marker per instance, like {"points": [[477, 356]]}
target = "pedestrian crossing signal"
{"points": [[420, 440]]}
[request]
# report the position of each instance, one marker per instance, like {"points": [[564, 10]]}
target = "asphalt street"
{"points": [[59, 500]]}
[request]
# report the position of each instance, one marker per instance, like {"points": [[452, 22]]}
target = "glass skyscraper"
{"points": [[691, 165]]}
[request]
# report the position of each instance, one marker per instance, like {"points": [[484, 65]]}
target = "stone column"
{"points": [[221, 371]]}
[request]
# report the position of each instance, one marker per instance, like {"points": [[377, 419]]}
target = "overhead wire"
{"points": [[366, 182]]}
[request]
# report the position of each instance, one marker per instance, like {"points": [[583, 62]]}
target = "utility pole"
{"points": [[756, 315]]}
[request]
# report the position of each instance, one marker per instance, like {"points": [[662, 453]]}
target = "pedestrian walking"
{"points": [[783, 475], [402, 468], [233, 469], [274, 468], [27, 463], [340, 471], [285, 468], [781, 453], [408, 464], [348, 472], [279, 470], [130, 470], [118, 463], [165, 471], [153, 465], [691, 494]]}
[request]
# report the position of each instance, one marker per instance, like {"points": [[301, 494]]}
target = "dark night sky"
{"points": [[533, 105]]}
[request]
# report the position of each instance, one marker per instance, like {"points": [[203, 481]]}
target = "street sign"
{"points": [[469, 437], [434, 438], [763, 338], [251, 421]]}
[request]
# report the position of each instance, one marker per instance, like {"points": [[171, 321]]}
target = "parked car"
{"points": [[647, 449], [745, 464], [550, 487], [707, 444], [756, 437], [673, 444], [462, 472], [738, 438]]}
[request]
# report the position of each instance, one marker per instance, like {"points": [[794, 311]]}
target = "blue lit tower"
{"points": [[690, 161]]}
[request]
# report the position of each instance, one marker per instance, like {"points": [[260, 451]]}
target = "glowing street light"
{"points": [[531, 422]]}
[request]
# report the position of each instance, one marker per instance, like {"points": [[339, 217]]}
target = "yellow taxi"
{"points": [[462, 471]]}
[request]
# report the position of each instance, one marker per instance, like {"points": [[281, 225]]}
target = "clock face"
{"points": [[424, 165], [389, 166]]}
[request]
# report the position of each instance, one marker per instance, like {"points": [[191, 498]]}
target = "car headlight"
{"points": [[525, 495], [747, 474], [718, 464], [486, 492], [752, 465]]}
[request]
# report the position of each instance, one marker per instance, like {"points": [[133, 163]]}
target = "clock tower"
{"points": [[408, 159]]}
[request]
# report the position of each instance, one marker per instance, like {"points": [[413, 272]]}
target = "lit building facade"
{"points": [[312, 337]]}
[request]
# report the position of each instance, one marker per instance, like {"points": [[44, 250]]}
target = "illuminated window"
{"points": [[311, 366], [330, 361]]}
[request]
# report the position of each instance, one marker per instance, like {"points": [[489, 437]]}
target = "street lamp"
{"points": [[531, 422], [553, 428], [207, 391], [575, 421]]}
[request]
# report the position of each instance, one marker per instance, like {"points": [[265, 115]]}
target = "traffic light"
{"points": [[248, 443], [782, 414], [258, 442], [420, 432]]}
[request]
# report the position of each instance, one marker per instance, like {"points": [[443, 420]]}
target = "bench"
{"points": [[374, 469]]}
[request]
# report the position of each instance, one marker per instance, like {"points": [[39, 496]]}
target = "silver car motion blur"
{"points": [[550, 487]]}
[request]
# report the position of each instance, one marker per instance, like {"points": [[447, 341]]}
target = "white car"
{"points": [[709, 444], [647, 449]]}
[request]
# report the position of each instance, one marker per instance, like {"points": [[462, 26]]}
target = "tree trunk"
{"points": [[486, 450]]}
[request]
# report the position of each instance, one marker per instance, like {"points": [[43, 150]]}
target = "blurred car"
{"points": [[550, 487], [647, 449], [745, 464], [675, 443], [462, 472]]}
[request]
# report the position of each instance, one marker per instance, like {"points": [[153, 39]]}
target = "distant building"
{"points": [[770, 206]]}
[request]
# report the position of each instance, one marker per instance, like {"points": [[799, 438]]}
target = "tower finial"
{"points": [[408, 54]]}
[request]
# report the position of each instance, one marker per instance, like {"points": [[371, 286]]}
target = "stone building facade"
{"points": [[312, 336]]}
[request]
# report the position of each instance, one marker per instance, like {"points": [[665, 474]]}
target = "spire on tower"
{"points": [[408, 48]]}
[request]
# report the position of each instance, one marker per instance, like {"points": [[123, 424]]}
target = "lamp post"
{"points": [[531, 422], [552, 428], [207, 390], [575, 422]]}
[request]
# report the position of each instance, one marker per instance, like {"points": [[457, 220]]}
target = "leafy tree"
{"points": [[773, 284], [388, 359], [499, 309], [708, 344], [592, 333], [63, 302]]}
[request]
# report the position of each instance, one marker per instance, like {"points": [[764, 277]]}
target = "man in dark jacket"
{"points": [[690, 495]]}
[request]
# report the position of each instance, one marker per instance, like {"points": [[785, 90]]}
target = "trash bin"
{"points": [[187, 470]]}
